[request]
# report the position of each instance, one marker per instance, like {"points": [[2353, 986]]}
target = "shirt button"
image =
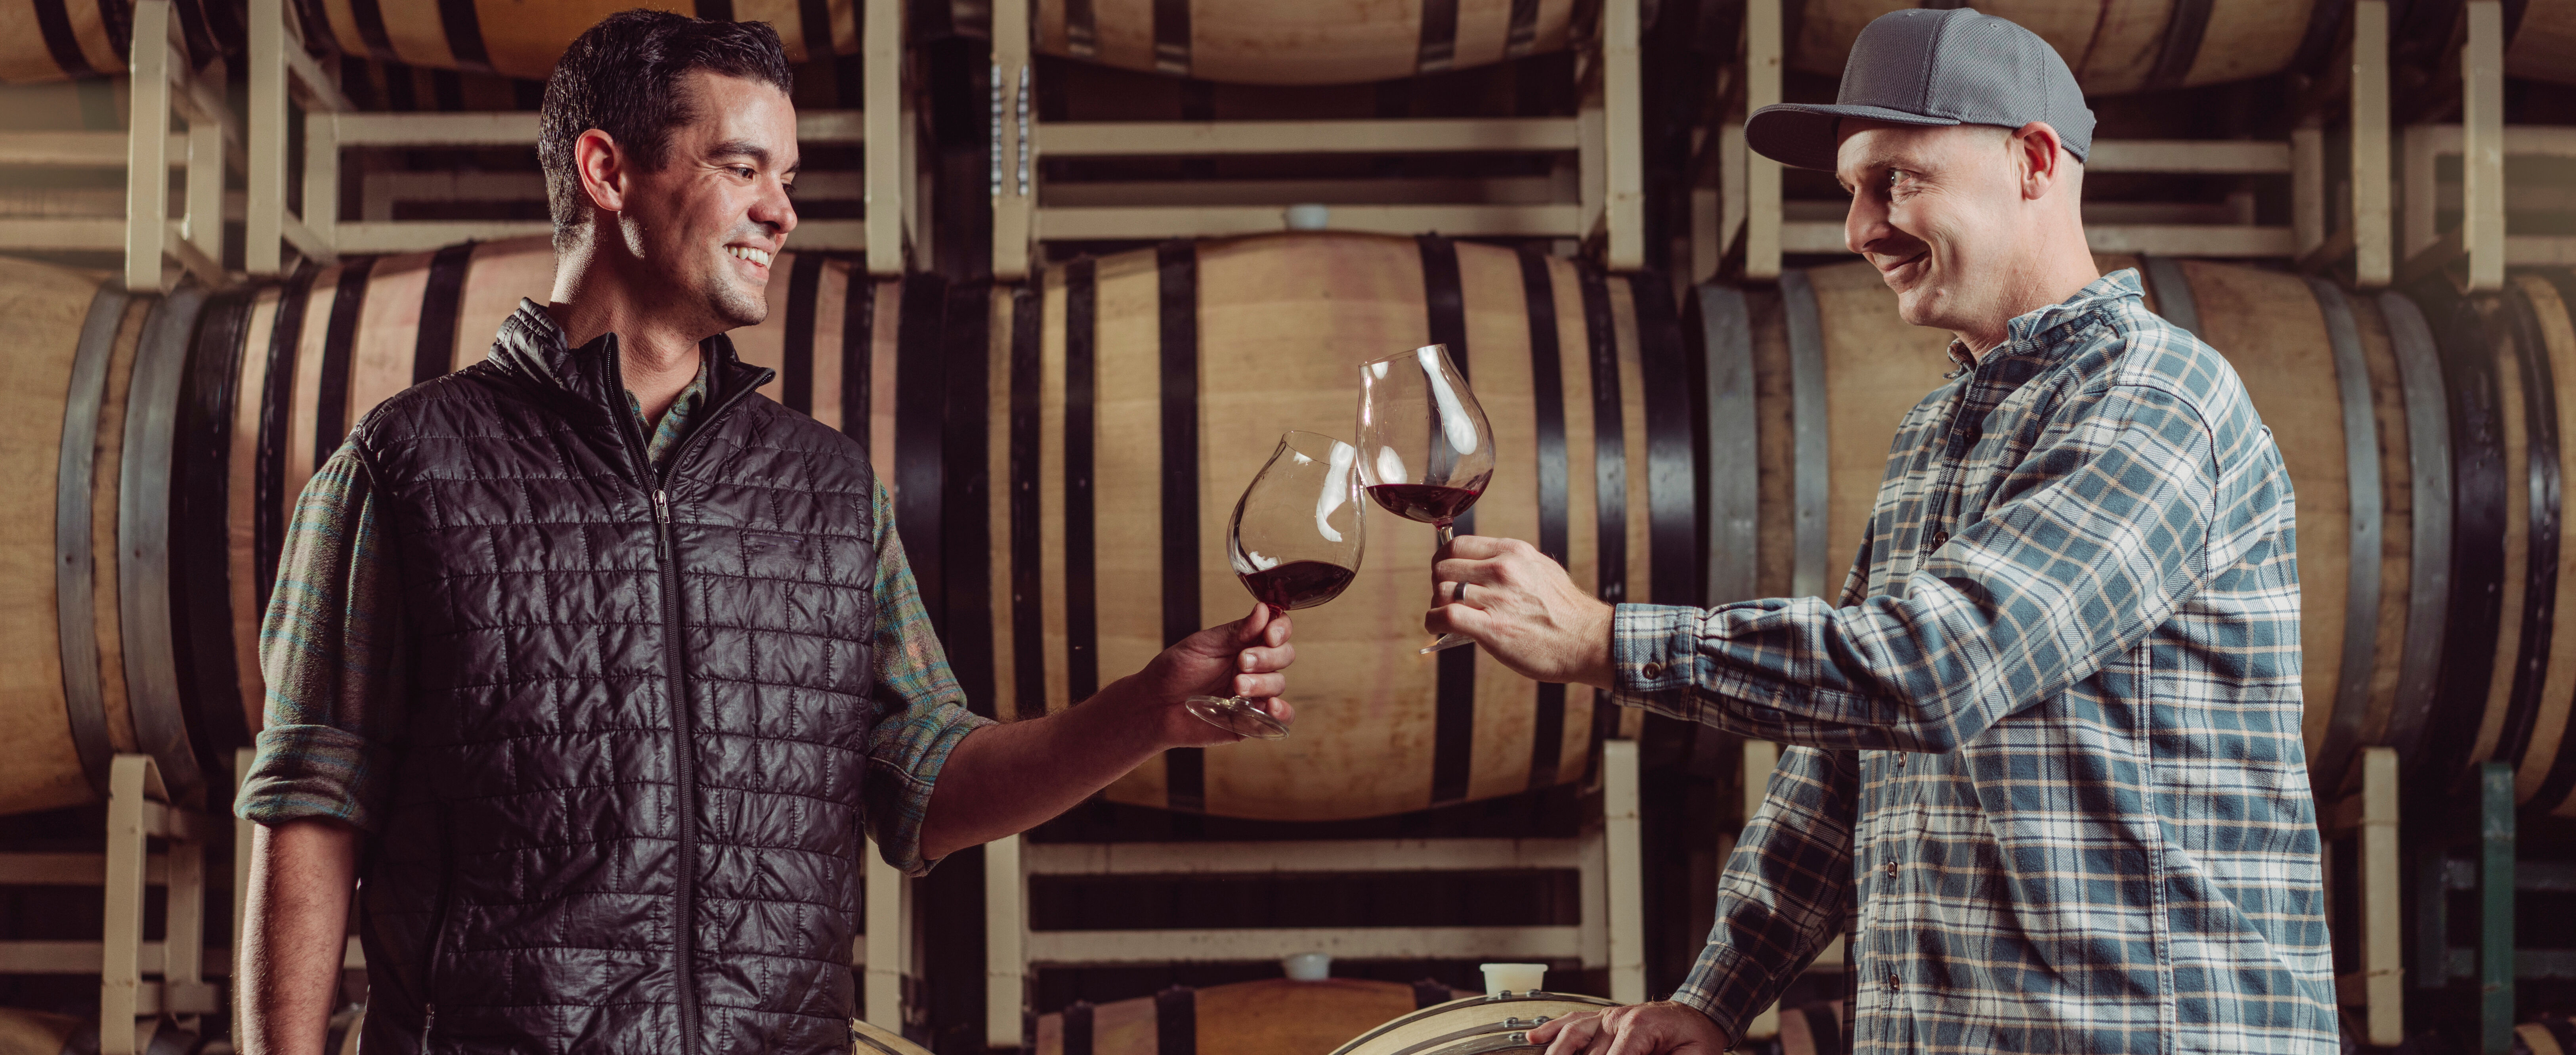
{"points": [[1891, 868], [1940, 539], [1653, 671], [1891, 982], [1900, 760]]}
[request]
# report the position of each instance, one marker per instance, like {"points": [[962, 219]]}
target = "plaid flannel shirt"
{"points": [[335, 655], [2046, 773]]}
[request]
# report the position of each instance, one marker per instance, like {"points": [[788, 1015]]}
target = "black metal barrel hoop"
{"points": [[2440, 754], [2542, 479], [2560, 780]]}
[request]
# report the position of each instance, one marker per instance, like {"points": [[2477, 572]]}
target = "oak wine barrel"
{"points": [[1134, 396], [968, 397], [2508, 670], [2115, 47], [1475, 1023], [85, 555], [1261, 42], [55, 40], [27, 1032], [1272, 1016], [1815, 375], [523, 40]]}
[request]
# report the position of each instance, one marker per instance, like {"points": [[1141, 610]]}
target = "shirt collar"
{"points": [[2027, 326]]}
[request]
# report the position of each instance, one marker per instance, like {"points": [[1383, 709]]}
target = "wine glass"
{"points": [[1295, 542], [1426, 450]]}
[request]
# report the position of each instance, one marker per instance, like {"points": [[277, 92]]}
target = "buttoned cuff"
{"points": [[1716, 989], [1652, 649]]}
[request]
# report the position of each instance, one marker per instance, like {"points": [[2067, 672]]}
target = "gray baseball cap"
{"points": [[1923, 67]]}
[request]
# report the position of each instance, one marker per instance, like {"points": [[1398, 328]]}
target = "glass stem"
{"points": [[1446, 534]]}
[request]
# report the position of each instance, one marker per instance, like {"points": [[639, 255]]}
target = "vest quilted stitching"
{"points": [[527, 882]]}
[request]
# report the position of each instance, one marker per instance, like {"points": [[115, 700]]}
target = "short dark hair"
{"points": [[622, 77]]}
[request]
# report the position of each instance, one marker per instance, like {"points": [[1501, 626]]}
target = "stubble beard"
{"points": [[734, 306]]}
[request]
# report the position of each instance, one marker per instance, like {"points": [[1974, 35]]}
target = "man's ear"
{"points": [[2039, 157], [602, 166]]}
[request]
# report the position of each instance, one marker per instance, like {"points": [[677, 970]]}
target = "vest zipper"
{"points": [[684, 757]]}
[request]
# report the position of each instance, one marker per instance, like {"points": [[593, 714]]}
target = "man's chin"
{"points": [[1914, 305]]}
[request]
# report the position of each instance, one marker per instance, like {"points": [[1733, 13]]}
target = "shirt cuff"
{"points": [[898, 795], [1717, 988], [309, 771], [1652, 651]]}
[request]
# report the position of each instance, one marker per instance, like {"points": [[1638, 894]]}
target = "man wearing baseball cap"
{"points": [[2044, 774]]}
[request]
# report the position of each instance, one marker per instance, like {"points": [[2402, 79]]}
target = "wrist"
{"points": [[1598, 665]]}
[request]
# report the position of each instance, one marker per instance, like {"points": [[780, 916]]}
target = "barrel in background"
{"points": [[1274, 1016], [54, 40], [523, 40], [1134, 396], [2116, 47], [1260, 42], [2509, 659]]}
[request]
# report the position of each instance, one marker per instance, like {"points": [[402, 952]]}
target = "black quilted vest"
{"points": [[571, 863]]}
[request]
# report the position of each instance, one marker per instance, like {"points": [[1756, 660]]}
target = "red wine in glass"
{"points": [[1295, 541], [1298, 583], [1424, 502], [1425, 449]]}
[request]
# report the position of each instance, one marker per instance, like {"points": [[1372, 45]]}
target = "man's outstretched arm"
{"points": [[301, 874], [1005, 779]]}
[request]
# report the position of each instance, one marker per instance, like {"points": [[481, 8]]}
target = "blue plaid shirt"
{"points": [[2046, 772]]}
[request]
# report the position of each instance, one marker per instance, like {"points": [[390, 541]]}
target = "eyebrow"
{"points": [[754, 151]]}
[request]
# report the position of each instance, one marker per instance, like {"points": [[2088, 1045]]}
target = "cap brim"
{"points": [[1801, 135]]}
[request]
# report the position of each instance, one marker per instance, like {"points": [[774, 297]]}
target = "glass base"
{"points": [[1446, 641], [1239, 716]]}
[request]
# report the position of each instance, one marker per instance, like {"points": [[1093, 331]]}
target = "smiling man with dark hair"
{"points": [[2045, 776], [592, 664]]}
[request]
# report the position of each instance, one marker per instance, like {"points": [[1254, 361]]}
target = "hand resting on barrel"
{"points": [[1635, 1029], [1521, 607]]}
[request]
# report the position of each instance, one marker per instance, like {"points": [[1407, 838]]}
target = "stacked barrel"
{"points": [[1065, 452]]}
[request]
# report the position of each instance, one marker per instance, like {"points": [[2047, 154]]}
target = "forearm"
{"points": [[1005, 779], [1784, 893], [301, 874]]}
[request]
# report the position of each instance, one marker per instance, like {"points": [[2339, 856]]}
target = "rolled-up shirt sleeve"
{"points": [[335, 658], [921, 711], [2095, 538]]}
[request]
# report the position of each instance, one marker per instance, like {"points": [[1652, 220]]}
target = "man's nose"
{"points": [[775, 209], [1866, 222]]}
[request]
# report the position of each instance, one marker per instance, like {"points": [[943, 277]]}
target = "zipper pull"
{"points": [[429, 1023], [661, 506]]}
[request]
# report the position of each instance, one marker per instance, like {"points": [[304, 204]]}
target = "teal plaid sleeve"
{"points": [[334, 655], [921, 712]]}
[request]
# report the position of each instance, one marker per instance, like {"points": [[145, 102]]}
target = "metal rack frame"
{"points": [[163, 84], [1606, 209], [283, 70], [145, 984], [1606, 856]]}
